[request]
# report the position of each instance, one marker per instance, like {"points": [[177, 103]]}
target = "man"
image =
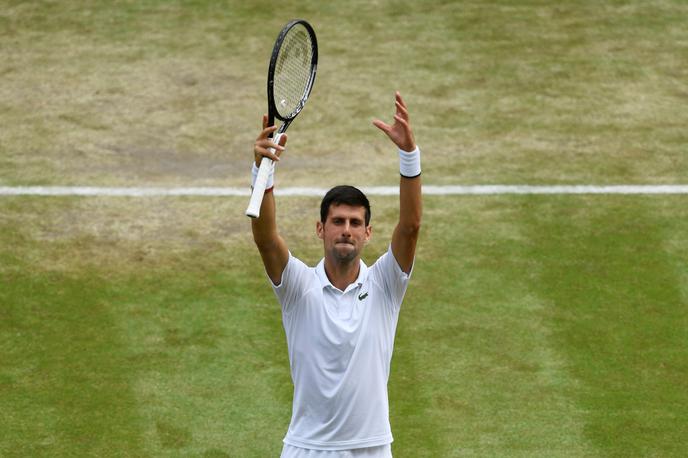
{"points": [[340, 317]]}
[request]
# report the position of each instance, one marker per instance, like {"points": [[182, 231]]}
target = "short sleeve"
{"points": [[387, 272], [293, 283]]}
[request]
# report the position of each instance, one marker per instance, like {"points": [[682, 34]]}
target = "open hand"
{"points": [[400, 132]]}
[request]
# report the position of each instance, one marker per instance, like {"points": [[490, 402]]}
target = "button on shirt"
{"points": [[340, 348]]}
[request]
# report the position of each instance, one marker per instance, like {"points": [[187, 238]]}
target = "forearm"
{"points": [[410, 204], [265, 226], [410, 213], [410, 201], [272, 247]]}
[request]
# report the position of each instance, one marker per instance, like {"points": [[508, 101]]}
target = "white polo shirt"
{"points": [[340, 347]]}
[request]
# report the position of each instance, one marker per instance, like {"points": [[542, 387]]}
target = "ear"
{"points": [[368, 233], [319, 229]]}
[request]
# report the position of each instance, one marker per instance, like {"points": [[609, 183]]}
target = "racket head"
{"points": [[292, 70]]}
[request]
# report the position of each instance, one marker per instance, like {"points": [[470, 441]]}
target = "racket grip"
{"points": [[253, 209], [266, 166]]}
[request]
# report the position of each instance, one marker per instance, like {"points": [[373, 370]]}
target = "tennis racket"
{"points": [[291, 75]]}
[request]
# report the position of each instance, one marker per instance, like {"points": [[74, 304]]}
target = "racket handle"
{"points": [[266, 166]]}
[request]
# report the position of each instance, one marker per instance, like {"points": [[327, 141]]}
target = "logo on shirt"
{"points": [[362, 296]]}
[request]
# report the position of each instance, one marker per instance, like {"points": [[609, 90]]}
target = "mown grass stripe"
{"points": [[64, 382], [617, 315]]}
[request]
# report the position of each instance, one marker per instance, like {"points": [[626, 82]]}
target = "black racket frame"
{"points": [[272, 108]]}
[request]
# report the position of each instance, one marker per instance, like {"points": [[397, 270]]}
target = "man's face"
{"points": [[344, 232]]}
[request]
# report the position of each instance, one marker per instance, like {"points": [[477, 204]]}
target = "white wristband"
{"points": [[271, 177], [409, 163]]}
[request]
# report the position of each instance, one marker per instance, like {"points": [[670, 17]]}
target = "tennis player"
{"points": [[340, 316]]}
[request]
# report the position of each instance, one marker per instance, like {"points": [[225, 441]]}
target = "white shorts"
{"points": [[383, 451]]}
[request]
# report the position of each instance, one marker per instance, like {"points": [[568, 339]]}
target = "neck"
{"points": [[342, 274]]}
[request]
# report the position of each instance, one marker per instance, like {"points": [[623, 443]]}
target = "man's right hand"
{"points": [[264, 144]]}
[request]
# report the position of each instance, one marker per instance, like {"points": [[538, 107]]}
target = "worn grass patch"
{"points": [[164, 93]]}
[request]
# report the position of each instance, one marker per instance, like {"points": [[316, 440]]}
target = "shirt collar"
{"points": [[324, 281]]}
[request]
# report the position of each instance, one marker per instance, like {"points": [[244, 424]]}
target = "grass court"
{"points": [[534, 325]]}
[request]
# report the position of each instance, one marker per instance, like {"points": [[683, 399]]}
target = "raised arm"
{"points": [[410, 198], [272, 247]]}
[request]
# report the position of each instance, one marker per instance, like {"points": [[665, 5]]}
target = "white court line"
{"points": [[373, 190]]}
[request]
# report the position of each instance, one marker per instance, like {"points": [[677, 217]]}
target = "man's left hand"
{"points": [[400, 132]]}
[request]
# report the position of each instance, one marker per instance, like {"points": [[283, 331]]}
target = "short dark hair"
{"points": [[347, 195]]}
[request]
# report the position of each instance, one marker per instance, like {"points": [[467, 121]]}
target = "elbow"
{"points": [[411, 228], [415, 228]]}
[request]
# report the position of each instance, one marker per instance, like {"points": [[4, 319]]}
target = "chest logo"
{"points": [[362, 296]]}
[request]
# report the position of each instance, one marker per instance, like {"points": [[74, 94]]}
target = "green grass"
{"points": [[533, 326]]}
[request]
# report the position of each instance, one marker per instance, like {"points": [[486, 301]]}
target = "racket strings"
{"points": [[293, 71]]}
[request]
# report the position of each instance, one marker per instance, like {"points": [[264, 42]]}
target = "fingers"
{"points": [[266, 132], [400, 119], [268, 143], [397, 95], [266, 148], [283, 140], [400, 131], [402, 111], [382, 126]]}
